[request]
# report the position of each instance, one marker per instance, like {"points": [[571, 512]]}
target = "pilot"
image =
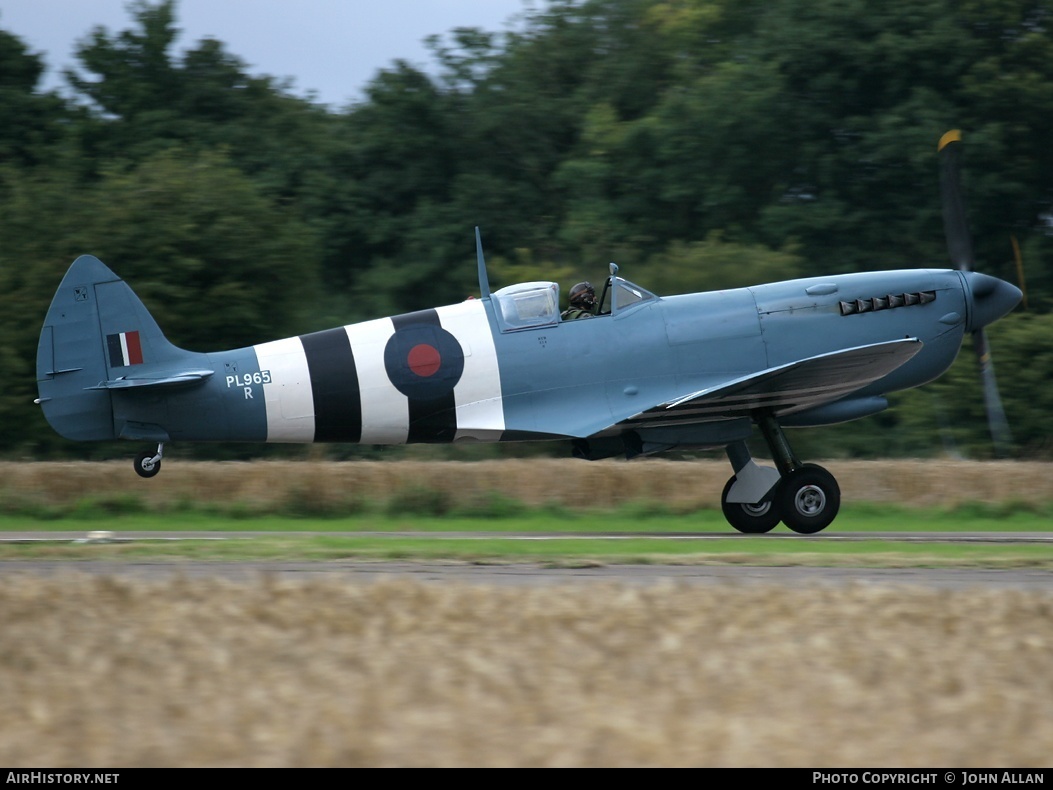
{"points": [[582, 302]]}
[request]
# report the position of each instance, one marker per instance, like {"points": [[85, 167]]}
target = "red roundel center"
{"points": [[424, 360]]}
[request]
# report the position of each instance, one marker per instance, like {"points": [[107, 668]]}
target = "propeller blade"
{"points": [[1019, 269], [960, 248], [959, 243], [996, 419]]}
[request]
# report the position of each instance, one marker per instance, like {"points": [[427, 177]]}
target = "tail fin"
{"points": [[95, 333]]}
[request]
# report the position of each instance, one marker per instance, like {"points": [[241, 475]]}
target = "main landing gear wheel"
{"points": [[753, 519], [808, 499], [147, 463]]}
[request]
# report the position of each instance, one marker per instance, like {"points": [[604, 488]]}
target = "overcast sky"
{"points": [[331, 47]]}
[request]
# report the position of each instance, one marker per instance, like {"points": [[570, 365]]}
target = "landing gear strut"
{"points": [[805, 497], [747, 499], [147, 463]]}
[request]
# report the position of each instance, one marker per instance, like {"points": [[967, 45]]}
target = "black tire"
{"points": [[808, 499], [750, 519], [143, 465]]}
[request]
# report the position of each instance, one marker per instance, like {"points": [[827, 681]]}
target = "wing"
{"points": [[785, 389]]}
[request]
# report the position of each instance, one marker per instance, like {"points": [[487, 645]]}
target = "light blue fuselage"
{"points": [[500, 368]]}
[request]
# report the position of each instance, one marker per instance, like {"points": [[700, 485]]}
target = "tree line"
{"points": [[698, 143]]}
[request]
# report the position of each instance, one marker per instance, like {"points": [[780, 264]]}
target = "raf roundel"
{"points": [[423, 361]]}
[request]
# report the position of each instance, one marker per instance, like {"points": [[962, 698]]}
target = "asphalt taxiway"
{"points": [[540, 573]]}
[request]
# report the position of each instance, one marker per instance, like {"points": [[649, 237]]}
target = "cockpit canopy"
{"points": [[533, 304], [528, 304], [625, 294]]}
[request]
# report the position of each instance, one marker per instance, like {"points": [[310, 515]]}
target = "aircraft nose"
{"points": [[991, 298]]}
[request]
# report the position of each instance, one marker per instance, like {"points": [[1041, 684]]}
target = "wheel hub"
{"points": [[758, 509], [810, 500]]}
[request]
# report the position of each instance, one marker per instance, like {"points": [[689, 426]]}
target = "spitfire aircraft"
{"points": [[651, 373]]}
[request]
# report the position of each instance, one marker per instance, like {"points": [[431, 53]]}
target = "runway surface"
{"points": [[901, 537], [525, 573]]}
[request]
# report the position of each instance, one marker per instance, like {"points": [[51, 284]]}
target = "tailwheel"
{"points": [[148, 463], [752, 519], [808, 499]]}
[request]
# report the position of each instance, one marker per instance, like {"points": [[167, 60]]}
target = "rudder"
{"points": [[96, 330]]}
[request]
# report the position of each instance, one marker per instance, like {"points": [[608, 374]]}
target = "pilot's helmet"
{"points": [[583, 295]]}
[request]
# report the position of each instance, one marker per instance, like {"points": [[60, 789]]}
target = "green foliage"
{"points": [[31, 124], [714, 264], [698, 143], [1000, 511], [419, 501], [490, 505], [103, 507], [186, 230], [218, 263], [302, 503], [952, 407]]}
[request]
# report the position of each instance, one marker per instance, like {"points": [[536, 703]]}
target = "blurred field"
{"points": [[121, 673], [680, 485], [114, 672]]}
